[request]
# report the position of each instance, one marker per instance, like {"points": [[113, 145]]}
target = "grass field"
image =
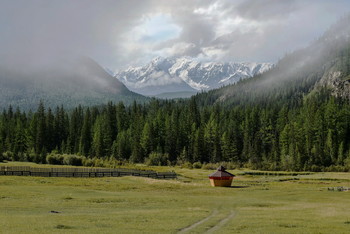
{"points": [[255, 204]]}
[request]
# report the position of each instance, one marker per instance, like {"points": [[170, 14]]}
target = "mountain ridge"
{"points": [[184, 74]]}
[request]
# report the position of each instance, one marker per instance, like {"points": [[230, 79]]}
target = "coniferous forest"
{"points": [[312, 136]]}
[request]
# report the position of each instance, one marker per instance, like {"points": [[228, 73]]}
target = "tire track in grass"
{"points": [[194, 225], [221, 223]]}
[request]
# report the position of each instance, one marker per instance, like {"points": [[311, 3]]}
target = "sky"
{"points": [[122, 33]]}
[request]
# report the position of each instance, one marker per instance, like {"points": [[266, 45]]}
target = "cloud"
{"points": [[156, 79], [179, 49], [37, 33], [267, 9], [249, 30]]}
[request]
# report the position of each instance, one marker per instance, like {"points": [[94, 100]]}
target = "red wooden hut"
{"points": [[221, 178]]}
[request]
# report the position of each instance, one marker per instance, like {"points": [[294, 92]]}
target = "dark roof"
{"points": [[221, 172]]}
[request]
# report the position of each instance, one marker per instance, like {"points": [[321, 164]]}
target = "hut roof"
{"points": [[221, 172]]}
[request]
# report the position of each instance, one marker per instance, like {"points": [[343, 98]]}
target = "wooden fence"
{"points": [[81, 172]]}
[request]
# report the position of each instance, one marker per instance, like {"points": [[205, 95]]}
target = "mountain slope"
{"points": [[324, 64], [82, 81], [184, 75]]}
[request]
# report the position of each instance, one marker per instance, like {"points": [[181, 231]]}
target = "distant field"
{"points": [[255, 204]]}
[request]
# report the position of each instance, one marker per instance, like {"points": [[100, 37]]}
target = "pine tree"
{"points": [[41, 131], [146, 139], [20, 143], [98, 143], [85, 138], [50, 135]]}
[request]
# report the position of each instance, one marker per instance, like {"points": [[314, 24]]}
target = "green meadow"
{"points": [[254, 204]]}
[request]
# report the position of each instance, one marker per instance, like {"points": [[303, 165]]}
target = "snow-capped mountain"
{"points": [[163, 75]]}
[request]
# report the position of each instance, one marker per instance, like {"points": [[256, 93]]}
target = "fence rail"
{"points": [[81, 172]]}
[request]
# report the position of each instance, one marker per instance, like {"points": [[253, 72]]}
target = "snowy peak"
{"points": [[183, 74]]}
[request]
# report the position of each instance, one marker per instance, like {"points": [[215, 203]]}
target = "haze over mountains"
{"points": [[70, 83], [84, 82], [177, 73], [181, 75]]}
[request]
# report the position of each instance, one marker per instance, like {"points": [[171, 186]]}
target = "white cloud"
{"points": [[123, 32], [156, 79], [179, 49]]}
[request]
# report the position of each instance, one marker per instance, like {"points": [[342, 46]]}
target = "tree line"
{"points": [[311, 136]]}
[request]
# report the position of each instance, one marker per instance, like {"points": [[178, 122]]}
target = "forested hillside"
{"points": [[294, 117], [70, 83]]}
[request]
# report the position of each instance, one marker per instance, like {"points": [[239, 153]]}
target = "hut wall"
{"points": [[221, 182]]}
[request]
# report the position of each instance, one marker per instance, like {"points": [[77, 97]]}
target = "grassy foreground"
{"points": [[255, 204]]}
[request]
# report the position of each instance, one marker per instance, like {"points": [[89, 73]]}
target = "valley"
{"points": [[254, 204], [114, 115]]}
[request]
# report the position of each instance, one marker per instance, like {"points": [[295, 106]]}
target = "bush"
{"points": [[87, 162], [54, 159], [98, 162], [73, 160], [230, 165], [210, 166], [214, 166], [187, 165], [15, 157], [157, 159], [31, 156], [8, 155], [315, 168], [197, 165], [37, 158], [23, 157], [347, 162]]}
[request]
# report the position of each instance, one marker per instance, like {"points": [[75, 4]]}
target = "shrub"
{"points": [[54, 159], [23, 157], [315, 168], [8, 155], [87, 162], [14, 157], [347, 162], [197, 165], [187, 165], [31, 156], [36, 158], [214, 166], [230, 165], [73, 160], [210, 166], [157, 159]]}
